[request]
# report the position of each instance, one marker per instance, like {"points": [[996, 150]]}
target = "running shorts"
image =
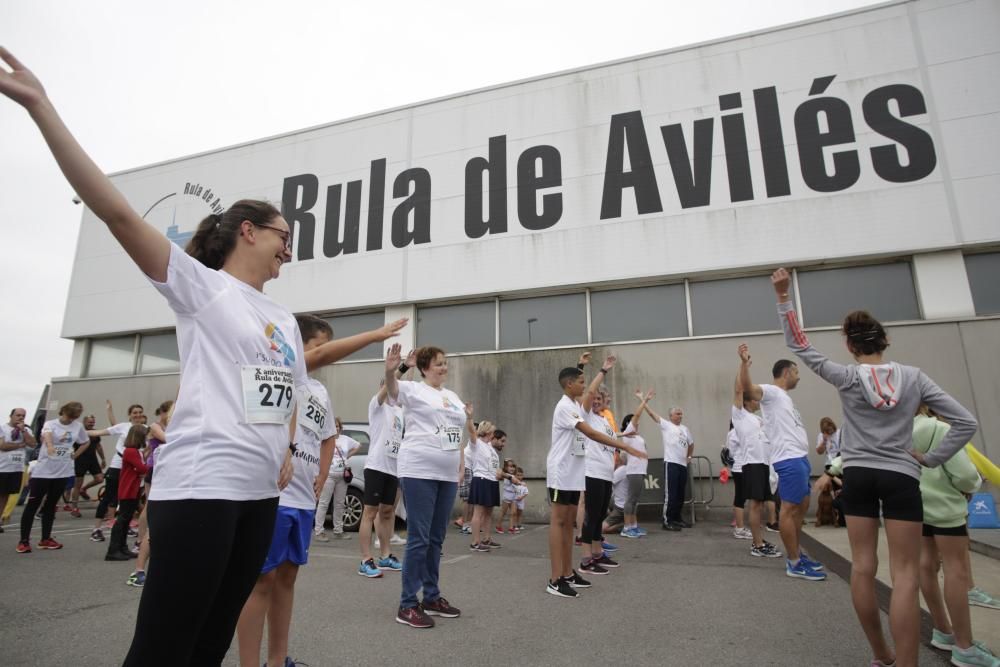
{"points": [[559, 497], [380, 488], [756, 481], [955, 531], [10, 482], [292, 531], [866, 489], [793, 479]]}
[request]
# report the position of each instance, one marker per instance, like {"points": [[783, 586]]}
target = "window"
{"points": [[641, 313], [111, 356], [349, 325], [158, 354], [544, 321], [884, 290], [467, 327], [984, 280], [733, 305]]}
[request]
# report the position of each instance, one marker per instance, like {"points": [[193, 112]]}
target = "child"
{"points": [[132, 470], [507, 497], [520, 493]]}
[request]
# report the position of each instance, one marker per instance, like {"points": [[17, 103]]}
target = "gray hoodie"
{"points": [[879, 402]]}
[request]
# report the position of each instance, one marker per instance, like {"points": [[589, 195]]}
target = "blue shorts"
{"points": [[292, 532], [793, 479]]}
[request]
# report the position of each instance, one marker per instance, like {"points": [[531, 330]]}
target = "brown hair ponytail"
{"points": [[215, 237], [865, 334]]}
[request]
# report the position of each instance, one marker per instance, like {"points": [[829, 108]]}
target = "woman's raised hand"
{"points": [[20, 84]]}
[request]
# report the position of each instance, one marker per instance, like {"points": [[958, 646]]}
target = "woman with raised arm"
{"points": [[881, 469], [213, 506]]}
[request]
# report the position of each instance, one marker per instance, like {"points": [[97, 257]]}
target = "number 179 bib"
{"points": [[267, 394]]}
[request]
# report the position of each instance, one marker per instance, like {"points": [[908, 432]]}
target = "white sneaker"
{"points": [[321, 537], [742, 534], [396, 539]]}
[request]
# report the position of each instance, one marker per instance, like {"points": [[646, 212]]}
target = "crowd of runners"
{"points": [[270, 454]]}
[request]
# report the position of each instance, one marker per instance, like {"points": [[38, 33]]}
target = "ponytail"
{"points": [[215, 237], [865, 334]]}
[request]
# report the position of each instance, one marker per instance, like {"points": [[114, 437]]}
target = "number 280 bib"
{"points": [[267, 394]]}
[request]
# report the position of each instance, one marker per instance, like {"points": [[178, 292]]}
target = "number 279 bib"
{"points": [[267, 394]]}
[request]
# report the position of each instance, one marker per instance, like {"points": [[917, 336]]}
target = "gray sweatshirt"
{"points": [[879, 403]]}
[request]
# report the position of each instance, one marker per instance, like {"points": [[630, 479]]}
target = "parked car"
{"points": [[354, 501]]}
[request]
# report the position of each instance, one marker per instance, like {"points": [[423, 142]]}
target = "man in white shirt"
{"points": [[678, 448], [14, 438]]}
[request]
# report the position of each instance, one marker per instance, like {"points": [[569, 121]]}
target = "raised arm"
{"points": [[337, 349], [110, 413], [410, 362], [652, 415], [595, 384], [597, 436], [147, 247], [391, 365], [746, 384]]}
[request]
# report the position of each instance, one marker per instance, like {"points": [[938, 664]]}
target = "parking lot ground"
{"points": [[690, 598]]}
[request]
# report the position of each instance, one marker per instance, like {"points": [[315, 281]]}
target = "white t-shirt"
{"points": [[675, 442], [565, 467], [63, 436], [832, 447], [121, 430], [619, 487], [12, 461], [600, 459], [313, 427], [633, 464], [435, 431], [341, 452], [485, 460], [520, 491], [735, 449], [386, 435], [749, 430], [783, 425], [241, 358]]}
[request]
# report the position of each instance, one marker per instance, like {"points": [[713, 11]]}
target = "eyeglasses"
{"points": [[285, 236]]}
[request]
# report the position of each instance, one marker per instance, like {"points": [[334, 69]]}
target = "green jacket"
{"points": [[943, 487]]}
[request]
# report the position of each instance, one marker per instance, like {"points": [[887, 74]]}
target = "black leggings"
{"points": [[209, 554], [39, 489], [595, 506], [110, 496]]}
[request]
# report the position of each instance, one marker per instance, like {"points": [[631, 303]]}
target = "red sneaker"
{"points": [[23, 547], [440, 607], [499, 530], [67, 508], [75, 513], [49, 544], [511, 531], [414, 617]]}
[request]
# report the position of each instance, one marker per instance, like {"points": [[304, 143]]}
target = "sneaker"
{"points": [[809, 562], [342, 536], [68, 508], [561, 588], [879, 663], [323, 537], [742, 534], [981, 598], [800, 571], [765, 551], [772, 527], [976, 655], [414, 617], [96, 535], [479, 548], [604, 561], [592, 568], [390, 563], [49, 544], [578, 541], [132, 532], [490, 544], [23, 547], [397, 540], [770, 551], [576, 581], [671, 526], [642, 532], [942, 640], [368, 569], [467, 530], [629, 533], [75, 513], [117, 556], [607, 546], [499, 529], [137, 579], [440, 607], [512, 531]]}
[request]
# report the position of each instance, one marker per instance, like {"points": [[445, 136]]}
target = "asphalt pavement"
{"points": [[690, 598]]}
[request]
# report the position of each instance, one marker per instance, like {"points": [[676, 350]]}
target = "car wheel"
{"points": [[353, 508]]}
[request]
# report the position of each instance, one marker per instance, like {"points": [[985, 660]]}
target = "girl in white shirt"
{"points": [[335, 486], [828, 439]]}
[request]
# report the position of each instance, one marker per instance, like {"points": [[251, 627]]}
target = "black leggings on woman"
{"points": [[595, 505], [208, 556], [39, 489], [110, 496]]}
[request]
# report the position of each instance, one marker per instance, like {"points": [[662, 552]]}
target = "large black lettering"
{"points": [[495, 169], [419, 203], [812, 139], [627, 130], [333, 244], [772, 142], [919, 146], [531, 179], [734, 139], [376, 202], [298, 196], [692, 176]]}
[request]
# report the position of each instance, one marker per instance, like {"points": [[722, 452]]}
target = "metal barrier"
{"points": [[695, 494]]}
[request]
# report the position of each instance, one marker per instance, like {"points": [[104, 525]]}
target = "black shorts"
{"points": [[868, 489], [86, 466], [484, 492], [380, 488], [954, 531], [739, 493], [757, 481], [560, 497], [10, 482]]}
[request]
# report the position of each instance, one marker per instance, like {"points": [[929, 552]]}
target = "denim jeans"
{"points": [[428, 507]]}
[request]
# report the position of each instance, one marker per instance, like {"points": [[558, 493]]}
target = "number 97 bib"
{"points": [[267, 394]]}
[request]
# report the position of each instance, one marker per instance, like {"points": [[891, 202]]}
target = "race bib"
{"points": [[394, 440], [16, 457], [267, 394], [392, 448], [579, 445], [450, 429], [313, 415]]}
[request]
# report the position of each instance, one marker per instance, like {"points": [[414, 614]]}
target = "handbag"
{"points": [[348, 473]]}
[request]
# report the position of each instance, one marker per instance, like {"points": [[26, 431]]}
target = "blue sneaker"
{"points": [[800, 571], [641, 532], [390, 563], [809, 562], [629, 533], [607, 546], [368, 569]]}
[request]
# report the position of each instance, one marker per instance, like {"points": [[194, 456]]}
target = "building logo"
{"points": [[164, 213]]}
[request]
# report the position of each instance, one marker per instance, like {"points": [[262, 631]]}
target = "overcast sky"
{"points": [[139, 84]]}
